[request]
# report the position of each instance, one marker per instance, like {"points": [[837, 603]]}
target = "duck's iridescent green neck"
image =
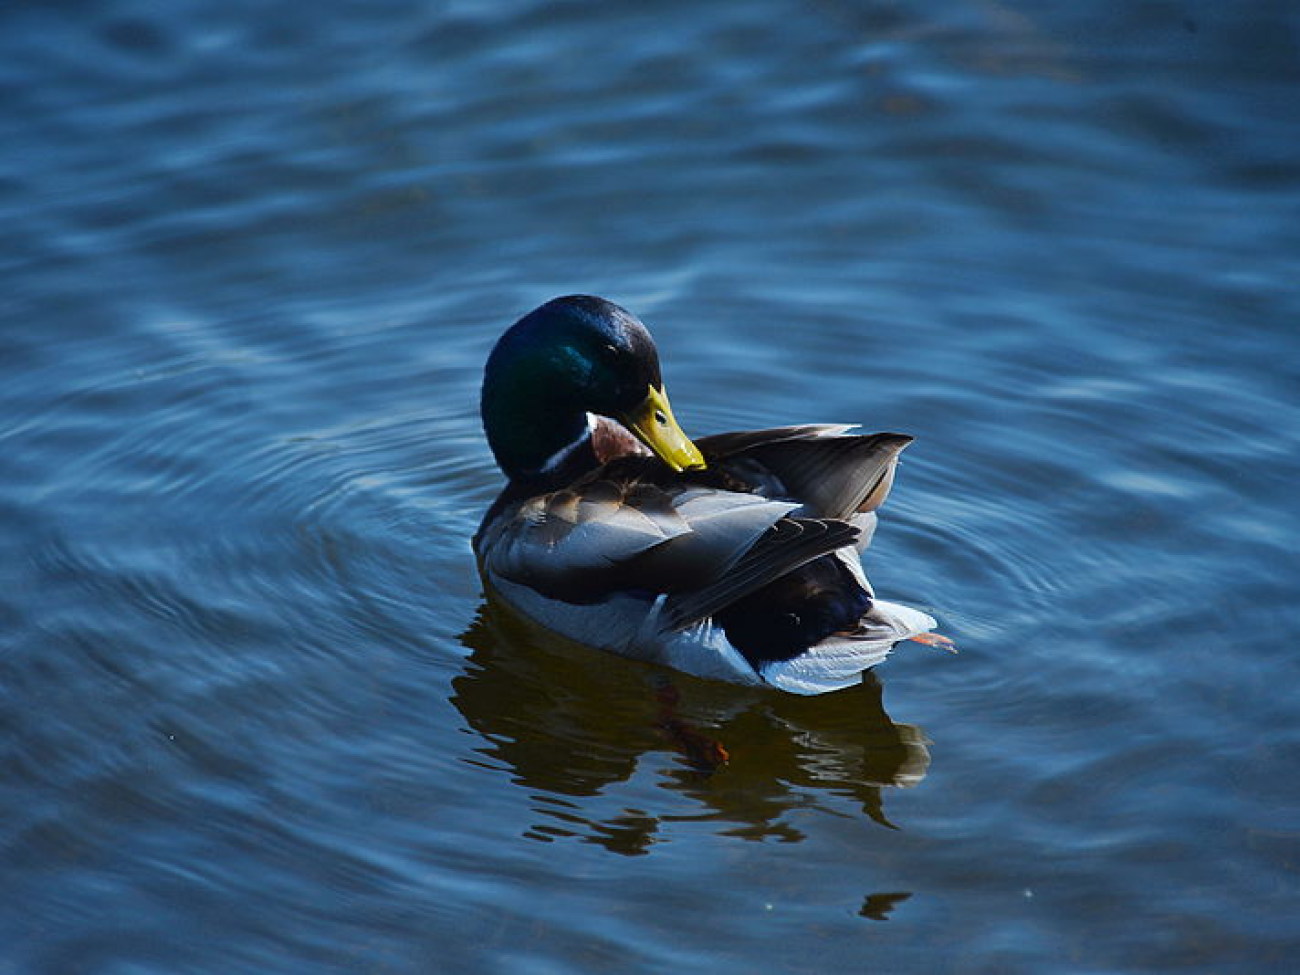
{"points": [[529, 426]]}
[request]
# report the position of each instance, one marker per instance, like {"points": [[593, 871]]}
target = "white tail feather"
{"points": [[838, 661]]}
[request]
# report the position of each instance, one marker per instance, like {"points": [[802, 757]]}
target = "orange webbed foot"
{"points": [[704, 753], [936, 640]]}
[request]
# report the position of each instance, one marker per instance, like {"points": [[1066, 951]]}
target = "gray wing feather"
{"points": [[648, 538], [833, 475]]}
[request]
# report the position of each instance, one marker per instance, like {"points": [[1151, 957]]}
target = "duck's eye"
{"points": [[661, 418]]}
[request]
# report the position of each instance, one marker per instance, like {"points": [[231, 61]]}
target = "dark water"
{"points": [[253, 716]]}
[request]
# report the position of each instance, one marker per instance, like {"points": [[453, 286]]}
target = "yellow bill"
{"points": [[653, 423]]}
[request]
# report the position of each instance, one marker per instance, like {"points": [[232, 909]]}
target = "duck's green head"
{"points": [[571, 357]]}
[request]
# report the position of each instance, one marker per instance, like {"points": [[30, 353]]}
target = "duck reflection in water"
{"points": [[569, 723]]}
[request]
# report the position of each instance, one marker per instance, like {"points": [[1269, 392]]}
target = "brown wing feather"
{"points": [[834, 476]]}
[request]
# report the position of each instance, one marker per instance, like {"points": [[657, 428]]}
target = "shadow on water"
{"points": [[569, 722]]}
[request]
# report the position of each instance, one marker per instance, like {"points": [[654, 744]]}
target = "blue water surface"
{"points": [[254, 713]]}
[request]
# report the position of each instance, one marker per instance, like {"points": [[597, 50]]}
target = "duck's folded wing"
{"points": [[580, 545], [835, 475]]}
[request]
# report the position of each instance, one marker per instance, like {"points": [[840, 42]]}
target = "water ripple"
{"points": [[249, 695]]}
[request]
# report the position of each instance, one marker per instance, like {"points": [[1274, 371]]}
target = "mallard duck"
{"points": [[734, 557]]}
